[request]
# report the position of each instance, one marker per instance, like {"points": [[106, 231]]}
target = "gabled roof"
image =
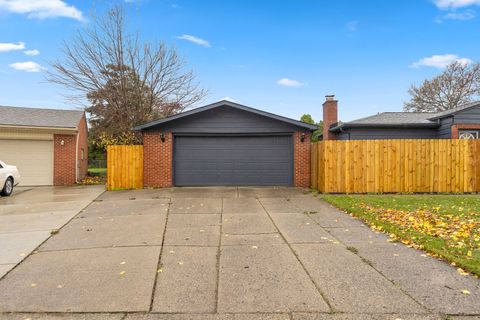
{"points": [[228, 104], [34, 117]]}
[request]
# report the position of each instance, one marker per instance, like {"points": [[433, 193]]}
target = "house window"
{"points": [[83, 154], [468, 134]]}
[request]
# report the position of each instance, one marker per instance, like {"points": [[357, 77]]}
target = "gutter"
{"points": [[12, 126], [374, 126]]}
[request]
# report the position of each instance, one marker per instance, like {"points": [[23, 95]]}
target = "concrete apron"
{"points": [[229, 253]]}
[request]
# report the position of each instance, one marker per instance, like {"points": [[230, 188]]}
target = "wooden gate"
{"points": [[124, 167]]}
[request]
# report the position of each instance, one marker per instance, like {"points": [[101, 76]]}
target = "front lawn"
{"points": [[446, 226]]}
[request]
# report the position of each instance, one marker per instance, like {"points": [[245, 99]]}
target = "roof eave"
{"points": [[230, 104], [38, 127], [453, 112], [382, 125]]}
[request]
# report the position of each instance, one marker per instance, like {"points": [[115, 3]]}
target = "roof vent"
{"points": [[330, 97]]}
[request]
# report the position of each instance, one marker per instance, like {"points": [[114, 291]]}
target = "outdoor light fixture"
{"points": [[62, 143], [302, 137], [162, 137]]}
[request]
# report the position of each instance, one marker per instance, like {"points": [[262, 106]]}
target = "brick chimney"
{"points": [[330, 116]]}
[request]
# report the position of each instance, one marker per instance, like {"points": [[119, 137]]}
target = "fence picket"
{"points": [[124, 167], [360, 166]]}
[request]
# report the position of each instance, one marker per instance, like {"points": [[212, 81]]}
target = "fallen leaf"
{"points": [[122, 273], [466, 292]]}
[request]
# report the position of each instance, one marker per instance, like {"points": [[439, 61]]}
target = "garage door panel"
{"points": [[34, 160], [233, 160]]}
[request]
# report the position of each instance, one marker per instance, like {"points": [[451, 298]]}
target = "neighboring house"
{"points": [[48, 146], [462, 122], [226, 143]]}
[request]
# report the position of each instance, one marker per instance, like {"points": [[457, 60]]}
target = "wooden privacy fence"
{"points": [[376, 166], [124, 167]]}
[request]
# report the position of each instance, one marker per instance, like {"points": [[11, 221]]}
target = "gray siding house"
{"points": [[459, 123]]}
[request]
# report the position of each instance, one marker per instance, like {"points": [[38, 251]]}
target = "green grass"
{"points": [[97, 172], [446, 226]]}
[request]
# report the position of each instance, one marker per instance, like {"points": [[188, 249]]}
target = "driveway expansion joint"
{"points": [[322, 294], [159, 264]]}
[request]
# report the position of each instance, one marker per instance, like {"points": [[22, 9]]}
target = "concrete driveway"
{"points": [[228, 253], [29, 215]]}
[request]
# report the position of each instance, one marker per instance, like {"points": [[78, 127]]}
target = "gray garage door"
{"points": [[233, 160]]}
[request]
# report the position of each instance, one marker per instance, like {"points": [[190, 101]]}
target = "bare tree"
{"points": [[458, 84], [126, 81]]}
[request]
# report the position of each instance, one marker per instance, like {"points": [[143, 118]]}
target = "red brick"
{"points": [[466, 126], [330, 116], [67, 156], [64, 171], [157, 160], [301, 159], [82, 145]]}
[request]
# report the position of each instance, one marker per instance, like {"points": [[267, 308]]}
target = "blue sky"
{"points": [[280, 56]]}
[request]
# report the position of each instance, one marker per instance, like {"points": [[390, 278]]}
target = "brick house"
{"points": [[226, 143], [48, 146]]}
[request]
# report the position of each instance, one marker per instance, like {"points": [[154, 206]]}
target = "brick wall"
{"points": [[82, 145], [64, 171], [466, 126], [157, 160], [330, 116], [301, 159]]}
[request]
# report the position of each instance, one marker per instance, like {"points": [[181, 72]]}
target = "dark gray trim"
{"points": [[229, 104], [195, 134], [371, 125]]}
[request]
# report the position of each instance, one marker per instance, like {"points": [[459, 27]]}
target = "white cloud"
{"points": [[41, 9], [290, 83], [462, 16], [352, 26], [27, 66], [33, 52], [439, 61], [5, 47], [196, 40], [454, 4]]}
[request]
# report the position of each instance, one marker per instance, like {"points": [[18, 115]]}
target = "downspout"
{"points": [[76, 155], [347, 132]]}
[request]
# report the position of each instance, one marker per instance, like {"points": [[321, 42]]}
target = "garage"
{"points": [[233, 160], [226, 144], [34, 159], [48, 146]]}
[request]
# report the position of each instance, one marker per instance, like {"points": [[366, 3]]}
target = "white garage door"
{"points": [[34, 160]]}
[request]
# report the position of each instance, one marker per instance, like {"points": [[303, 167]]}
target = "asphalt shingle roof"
{"points": [[35, 117], [396, 118], [404, 118]]}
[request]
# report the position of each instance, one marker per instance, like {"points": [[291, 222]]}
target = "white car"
{"points": [[9, 177]]}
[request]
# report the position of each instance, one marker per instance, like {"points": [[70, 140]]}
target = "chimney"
{"points": [[330, 116]]}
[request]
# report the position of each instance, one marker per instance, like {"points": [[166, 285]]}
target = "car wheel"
{"points": [[7, 188]]}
